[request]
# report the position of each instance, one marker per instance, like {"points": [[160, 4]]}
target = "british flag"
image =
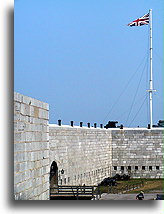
{"points": [[144, 20]]}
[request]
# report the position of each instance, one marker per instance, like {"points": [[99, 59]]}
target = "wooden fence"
{"points": [[75, 191]]}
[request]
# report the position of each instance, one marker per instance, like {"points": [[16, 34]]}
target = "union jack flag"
{"points": [[144, 20]]}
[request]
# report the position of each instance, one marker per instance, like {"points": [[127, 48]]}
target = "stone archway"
{"points": [[53, 175]]}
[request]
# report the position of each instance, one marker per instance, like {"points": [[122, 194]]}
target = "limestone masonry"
{"points": [[84, 154], [76, 155], [31, 149]]}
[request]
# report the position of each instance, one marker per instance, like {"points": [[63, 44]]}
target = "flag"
{"points": [[144, 20]]}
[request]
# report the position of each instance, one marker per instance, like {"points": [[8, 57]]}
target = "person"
{"points": [[140, 196]]}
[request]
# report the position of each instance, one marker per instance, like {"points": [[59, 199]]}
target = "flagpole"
{"points": [[151, 72], [138, 22]]}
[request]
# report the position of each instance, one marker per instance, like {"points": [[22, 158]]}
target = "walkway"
{"points": [[106, 196]]}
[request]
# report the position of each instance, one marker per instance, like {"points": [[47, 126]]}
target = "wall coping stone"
{"points": [[109, 129]]}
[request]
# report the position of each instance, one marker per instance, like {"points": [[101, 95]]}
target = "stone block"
{"points": [[46, 162], [45, 186], [25, 109], [19, 157], [36, 112], [30, 136], [28, 184], [40, 197], [37, 103], [18, 178], [19, 126], [26, 100], [45, 106], [45, 145], [18, 97], [20, 187], [17, 107], [35, 192], [19, 147], [17, 116], [16, 167], [43, 114], [28, 146], [31, 111], [34, 156], [46, 153], [19, 136], [28, 174]]}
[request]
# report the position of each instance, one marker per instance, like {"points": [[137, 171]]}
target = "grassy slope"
{"points": [[150, 185]]}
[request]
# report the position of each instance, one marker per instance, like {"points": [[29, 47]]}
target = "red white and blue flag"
{"points": [[144, 20]]}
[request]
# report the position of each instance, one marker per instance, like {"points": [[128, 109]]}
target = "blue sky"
{"points": [[83, 59]]}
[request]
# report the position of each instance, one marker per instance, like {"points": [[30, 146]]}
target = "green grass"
{"points": [[150, 185]]}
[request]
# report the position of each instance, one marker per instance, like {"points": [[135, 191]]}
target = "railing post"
{"points": [[77, 195], [84, 188], [92, 191], [99, 193]]}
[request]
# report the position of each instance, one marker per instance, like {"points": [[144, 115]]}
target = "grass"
{"points": [[150, 186]]}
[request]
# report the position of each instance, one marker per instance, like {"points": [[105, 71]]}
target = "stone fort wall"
{"points": [[31, 149], [88, 155], [83, 155], [138, 152]]}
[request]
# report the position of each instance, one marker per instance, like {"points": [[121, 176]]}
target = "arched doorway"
{"points": [[53, 175]]}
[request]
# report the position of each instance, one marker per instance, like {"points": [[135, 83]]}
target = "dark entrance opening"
{"points": [[53, 175]]}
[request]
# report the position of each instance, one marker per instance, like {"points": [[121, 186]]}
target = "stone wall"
{"points": [[87, 155], [31, 149], [138, 151], [84, 154]]}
